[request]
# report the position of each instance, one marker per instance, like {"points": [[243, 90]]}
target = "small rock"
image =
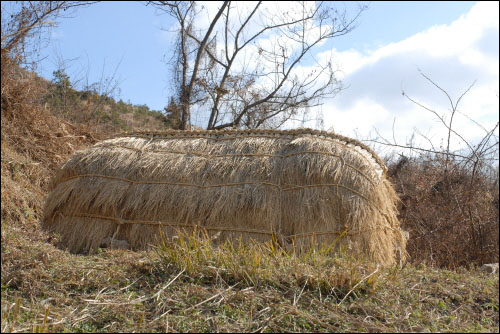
{"points": [[490, 268], [114, 243]]}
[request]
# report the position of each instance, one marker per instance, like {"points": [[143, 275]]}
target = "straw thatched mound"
{"points": [[302, 186]]}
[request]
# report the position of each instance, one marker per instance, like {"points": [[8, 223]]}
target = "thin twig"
{"points": [[355, 286], [211, 298], [138, 300]]}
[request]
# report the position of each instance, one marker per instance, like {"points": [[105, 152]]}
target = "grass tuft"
{"points": [[325, 269]]}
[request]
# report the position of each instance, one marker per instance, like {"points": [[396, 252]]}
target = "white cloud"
{"points": [[452, 55]]}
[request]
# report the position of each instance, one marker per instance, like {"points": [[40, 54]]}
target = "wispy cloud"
{"points": [[452, 55]]}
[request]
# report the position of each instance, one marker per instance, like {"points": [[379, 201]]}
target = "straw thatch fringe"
{"points": [[301, 186]]}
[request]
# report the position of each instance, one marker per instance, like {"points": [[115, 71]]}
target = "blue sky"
{"points": [[453, 42], [391, 21], [128, 34]]}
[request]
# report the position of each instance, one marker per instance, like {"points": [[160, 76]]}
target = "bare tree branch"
{"points": [[29, 17], [252, 71]]}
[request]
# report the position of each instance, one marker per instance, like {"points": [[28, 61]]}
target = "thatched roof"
{"points": [[302, 186]]}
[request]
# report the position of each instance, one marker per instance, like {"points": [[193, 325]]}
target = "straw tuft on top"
{"points": [[301, 186]]}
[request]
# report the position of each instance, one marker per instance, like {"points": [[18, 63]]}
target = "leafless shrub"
{"points": [[449, 199]]}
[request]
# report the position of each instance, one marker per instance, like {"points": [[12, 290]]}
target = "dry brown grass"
{"points": [[452, 220], [191, 286]]}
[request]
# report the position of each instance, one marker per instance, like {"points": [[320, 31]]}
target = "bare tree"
{"points": [[244, 69], [24, 20]]}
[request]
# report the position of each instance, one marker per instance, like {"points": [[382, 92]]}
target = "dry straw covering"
{"points": [[300, 186]]}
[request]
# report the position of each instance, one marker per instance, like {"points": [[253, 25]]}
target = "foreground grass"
{"points": [[188, 285]]}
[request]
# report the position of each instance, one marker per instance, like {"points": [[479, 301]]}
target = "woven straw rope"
{"points": [[120, 222], [208, 156], [268, 133], [256, 133], [216, 185]]}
